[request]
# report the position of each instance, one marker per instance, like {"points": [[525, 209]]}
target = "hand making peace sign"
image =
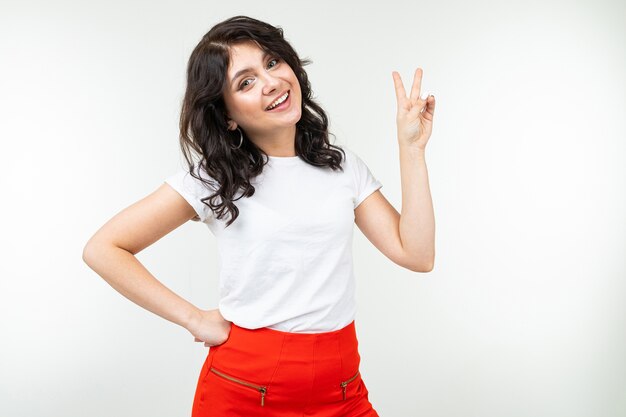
{"points": [[415, 114]]}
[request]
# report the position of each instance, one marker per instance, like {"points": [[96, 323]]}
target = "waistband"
{"points": [[279, 334], [265, 345]]}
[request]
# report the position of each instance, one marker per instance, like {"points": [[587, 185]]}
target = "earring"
{"points": [[240, 138]]}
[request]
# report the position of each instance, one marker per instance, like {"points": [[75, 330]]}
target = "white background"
{"points": [[524, 313]]}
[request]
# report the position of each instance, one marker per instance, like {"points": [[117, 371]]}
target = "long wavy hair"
{"points": [[204, 124]]}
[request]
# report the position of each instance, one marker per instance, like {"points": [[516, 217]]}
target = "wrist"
{"points": [[193, 318], [412, 150]]}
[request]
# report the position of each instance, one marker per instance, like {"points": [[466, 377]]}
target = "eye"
{"points": [[273, 60], [243, 84]]}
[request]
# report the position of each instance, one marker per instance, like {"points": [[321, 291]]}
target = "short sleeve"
{"points": [[365, 181], [192, 190]]}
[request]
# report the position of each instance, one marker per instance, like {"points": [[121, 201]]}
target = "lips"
{"points": [[277, 98]]}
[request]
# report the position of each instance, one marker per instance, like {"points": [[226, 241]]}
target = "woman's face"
{"points": [[255, 81]]}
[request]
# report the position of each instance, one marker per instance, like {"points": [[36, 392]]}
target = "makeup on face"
{"points": [[263, 95]]}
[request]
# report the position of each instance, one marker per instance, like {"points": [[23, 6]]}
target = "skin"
{"points": [[415, 114], [248, 95]]}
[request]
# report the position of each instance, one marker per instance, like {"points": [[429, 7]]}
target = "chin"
{"points": [[295, 117]]}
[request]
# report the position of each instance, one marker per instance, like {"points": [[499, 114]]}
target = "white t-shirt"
{"points": [[286, 261]]}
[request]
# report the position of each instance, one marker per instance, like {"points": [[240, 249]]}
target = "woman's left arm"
{"points": [[408, 238], [415, 124]]}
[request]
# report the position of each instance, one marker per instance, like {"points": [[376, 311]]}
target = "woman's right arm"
{"points": [[111, 254]]}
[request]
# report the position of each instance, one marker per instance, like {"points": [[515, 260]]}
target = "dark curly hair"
{"points": [[204, 124]]}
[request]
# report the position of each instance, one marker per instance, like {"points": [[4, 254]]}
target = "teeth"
{"points": [[277, 102]]}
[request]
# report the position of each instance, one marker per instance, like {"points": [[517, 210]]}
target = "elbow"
{"points": [[92, 251], [428, 267], [88, 253], [422, 265], [423, 268]]}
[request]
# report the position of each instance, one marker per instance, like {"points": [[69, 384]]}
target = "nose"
{"points": [[270, 84]]}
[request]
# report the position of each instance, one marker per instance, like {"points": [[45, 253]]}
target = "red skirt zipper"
{"points": [[344, 384], [260, 388]]}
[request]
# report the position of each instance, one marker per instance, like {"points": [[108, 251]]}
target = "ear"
{"points": [[232, 125]]}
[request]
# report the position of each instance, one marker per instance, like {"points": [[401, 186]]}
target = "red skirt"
{"points": [[266, 372]]}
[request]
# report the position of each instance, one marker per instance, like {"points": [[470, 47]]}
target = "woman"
{"points": [[282, 202]]}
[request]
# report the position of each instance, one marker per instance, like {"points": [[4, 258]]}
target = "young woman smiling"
{"points": [[282, 202]]}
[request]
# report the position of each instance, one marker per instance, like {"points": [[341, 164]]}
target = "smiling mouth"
{"points": [[278, 102]]}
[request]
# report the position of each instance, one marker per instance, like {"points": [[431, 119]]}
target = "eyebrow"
{"points": [[243, 71]]}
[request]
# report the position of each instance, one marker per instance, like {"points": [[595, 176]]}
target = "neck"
{"points": [[277, 143]]}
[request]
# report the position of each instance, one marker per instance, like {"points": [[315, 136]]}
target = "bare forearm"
{"points": [[123, 271], [417, 219]]}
